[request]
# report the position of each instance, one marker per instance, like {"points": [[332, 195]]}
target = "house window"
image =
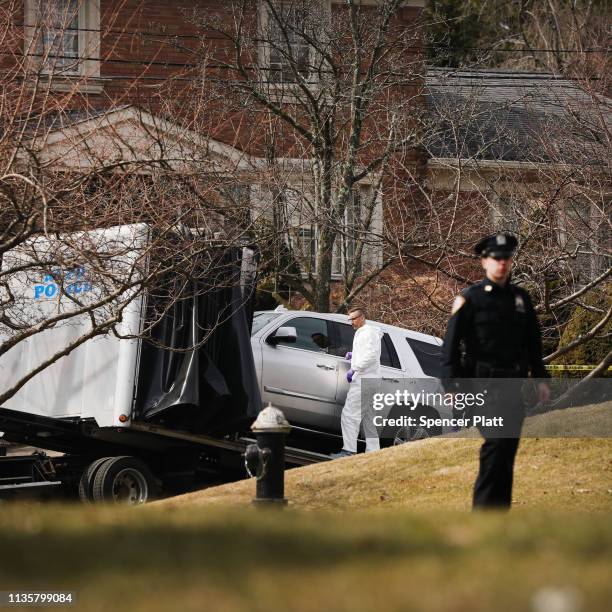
{"points": [[293, 214], [354, 231], [301, 228], [504, 213], [584, 235], [235, 205], [288, 29], [307, 248], [59, 37], [63, 36]]}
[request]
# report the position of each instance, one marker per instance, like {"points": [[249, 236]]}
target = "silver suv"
{"points": [[301, 369]]}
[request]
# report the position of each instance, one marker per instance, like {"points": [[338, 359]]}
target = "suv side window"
{"points": [[342, 339], [342, 343], [388, 354], [312, 334], [428, 355]]}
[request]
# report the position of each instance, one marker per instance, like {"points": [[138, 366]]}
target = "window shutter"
{"points": [[373, 249]]}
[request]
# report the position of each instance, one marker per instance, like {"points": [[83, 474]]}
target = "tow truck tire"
{"points": [[87, 479], [124, 480]]}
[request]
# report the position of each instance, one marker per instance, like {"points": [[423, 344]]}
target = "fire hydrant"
{"points": [[266, 459]]}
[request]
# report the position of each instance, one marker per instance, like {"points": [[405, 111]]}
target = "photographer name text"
{"points": [[426, 421]]}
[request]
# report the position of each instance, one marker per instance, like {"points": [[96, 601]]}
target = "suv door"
{"points": [[301, 378]]}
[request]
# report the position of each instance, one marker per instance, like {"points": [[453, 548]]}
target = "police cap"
{"points": [[497, 245]]}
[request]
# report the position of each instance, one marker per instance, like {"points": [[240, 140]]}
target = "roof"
{"points": [[89, 138], [61, 119], [503, 115]]}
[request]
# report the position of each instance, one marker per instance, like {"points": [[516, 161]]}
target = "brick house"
{"points": [[520, 141], [125, 72]]}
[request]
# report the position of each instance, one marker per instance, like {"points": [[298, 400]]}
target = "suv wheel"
{"points": [[409, 434]]}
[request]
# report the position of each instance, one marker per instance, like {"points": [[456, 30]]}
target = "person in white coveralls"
{"points": [[365, 363]]}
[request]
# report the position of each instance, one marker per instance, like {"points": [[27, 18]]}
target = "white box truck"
{"points": [[159, 401]]}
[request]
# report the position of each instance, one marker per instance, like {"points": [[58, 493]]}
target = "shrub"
{"points": [[580, 322]]}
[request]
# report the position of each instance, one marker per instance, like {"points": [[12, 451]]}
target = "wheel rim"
{"points": [[420, 433], [409, 434], [130, 487]]}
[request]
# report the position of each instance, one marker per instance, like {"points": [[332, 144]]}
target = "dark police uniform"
{"points": [[494, 333]]}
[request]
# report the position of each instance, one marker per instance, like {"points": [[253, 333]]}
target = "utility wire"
{"points": [[455, 72], [287, 86], [420, 47]]}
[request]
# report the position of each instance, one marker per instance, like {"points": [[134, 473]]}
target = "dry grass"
{"points": [[410, 546], [568, 473], [586, 421], [236, 560]]}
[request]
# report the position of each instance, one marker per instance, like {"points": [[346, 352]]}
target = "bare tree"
{"points": [[527, 154], [573, 31], [326, 103], [99, 212], [563, 37]]}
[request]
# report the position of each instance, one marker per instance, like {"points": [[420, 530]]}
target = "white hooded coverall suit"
{"points": [[365, 362]]}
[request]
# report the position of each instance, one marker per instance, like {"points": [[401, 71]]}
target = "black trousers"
{"points": [[493, 486]]}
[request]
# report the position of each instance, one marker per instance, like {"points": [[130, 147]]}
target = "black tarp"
{"points": [[211, 388]]}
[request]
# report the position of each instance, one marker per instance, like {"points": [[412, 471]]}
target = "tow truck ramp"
{"points": [[156, 453]]}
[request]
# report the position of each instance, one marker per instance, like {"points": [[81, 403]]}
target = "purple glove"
{"points": [[348, 356], [349, 375]]}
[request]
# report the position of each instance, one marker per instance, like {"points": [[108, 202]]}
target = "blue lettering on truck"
{"points": [[50, 288]]}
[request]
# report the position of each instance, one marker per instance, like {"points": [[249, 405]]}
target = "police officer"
{"points": [[493, 332]]}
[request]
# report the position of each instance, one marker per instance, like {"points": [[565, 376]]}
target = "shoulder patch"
{"points": [[457, 304]]}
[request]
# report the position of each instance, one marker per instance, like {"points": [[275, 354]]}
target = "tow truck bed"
{"points": [[81, 441]]}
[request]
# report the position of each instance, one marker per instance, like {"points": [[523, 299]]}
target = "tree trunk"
{"points": [[325, 249]]}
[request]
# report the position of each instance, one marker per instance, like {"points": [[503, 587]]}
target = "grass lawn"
{"points": [[385, 531], [164, 558], [569, 474]]}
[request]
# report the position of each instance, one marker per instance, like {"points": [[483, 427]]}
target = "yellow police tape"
{"points": [[572, 367]]}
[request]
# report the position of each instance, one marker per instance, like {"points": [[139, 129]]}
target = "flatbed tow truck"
{"points": [[153, 459], [122, 418]]}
